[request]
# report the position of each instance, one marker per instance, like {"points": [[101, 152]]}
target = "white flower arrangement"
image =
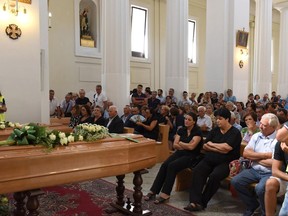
{"points": [[91, 132], [70, 138], [10, 124], [2, 126], [33, 134], [61, 135], [18, 125], [52, 136], [63, 141]]}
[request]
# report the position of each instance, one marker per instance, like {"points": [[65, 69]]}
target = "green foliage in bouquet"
{"points": [[30, 134]]}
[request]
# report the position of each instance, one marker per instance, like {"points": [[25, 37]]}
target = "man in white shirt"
{"points": [[54, 105], [99, 98], [204, 121], [259, 151]]}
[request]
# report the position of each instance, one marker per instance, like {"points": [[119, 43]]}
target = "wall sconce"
{"points": [[243, 57], [13, 7], [50, 20]]}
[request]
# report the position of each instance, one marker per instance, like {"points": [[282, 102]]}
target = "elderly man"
{"points": [[114, 123], [204, 121], [66, 105], [259, 150], [276, 185]]}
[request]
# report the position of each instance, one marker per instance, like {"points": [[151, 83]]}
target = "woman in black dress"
{"points": [[98, 116], [149, 128], [85, 114], [188, 143]]}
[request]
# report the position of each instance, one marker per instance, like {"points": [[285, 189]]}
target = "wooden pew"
{"points": [[128, 130], [183, 178], [162, 147], [63, 121]]}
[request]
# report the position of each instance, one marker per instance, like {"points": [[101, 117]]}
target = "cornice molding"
{"points": [[280, 5]]}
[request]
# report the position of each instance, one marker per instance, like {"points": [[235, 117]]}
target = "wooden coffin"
{"points": [[31, 167]]}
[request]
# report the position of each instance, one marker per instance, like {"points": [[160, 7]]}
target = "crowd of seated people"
{"points": [[216, 114]]}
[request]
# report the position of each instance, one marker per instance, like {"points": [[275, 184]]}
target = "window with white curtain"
{"points": [[139, 32], [192, 58]]}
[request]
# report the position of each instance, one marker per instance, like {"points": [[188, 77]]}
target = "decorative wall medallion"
{"points": [[13, 31]]}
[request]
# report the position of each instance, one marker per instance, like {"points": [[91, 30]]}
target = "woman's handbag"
{"points": [[236, 166]]}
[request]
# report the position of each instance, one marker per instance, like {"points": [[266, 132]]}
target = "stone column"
{"points": [[262, 52], [283, 50], [176, 46], [116, 51]]}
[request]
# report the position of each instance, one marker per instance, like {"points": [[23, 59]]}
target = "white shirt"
{"points": [[99, 99], [53, 106], [205, 120], [260, 143]]}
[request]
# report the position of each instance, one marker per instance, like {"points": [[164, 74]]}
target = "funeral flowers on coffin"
{"points": [[7, 124], [33, 134]]}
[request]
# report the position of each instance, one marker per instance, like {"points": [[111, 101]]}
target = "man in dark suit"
{"points": [[114, 123]]}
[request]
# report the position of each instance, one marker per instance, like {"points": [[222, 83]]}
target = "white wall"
{"points": [[240, 76], [20, 67], [70, 73]]}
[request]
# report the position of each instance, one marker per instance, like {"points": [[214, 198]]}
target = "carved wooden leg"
{"points": [[137, 195], [136, 208], [120, 190], [19, 204], [32, 202]]}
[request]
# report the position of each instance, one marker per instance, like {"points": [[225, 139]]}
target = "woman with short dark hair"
{"points": [[222, 145], [188, 143]]}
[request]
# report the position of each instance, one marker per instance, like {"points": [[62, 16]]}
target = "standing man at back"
{"points": [[82, 99], [99, 98], [139, 98]]}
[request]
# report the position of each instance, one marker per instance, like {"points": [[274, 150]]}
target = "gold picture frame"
{"points": [[25, 1], [242, 39]]}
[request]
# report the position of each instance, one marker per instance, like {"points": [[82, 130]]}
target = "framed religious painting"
{"points": [[242, 39], [87, 27]]}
